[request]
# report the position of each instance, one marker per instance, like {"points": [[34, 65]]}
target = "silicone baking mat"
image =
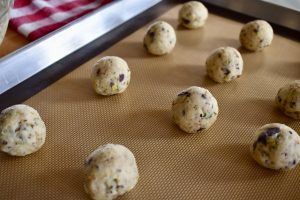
{"points": [[173, 165]]}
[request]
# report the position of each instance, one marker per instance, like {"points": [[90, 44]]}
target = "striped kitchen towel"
{"points": [[36, 18]]}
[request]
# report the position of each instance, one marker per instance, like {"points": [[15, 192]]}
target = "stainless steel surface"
{"points": [[40, 54], [292, 4], [271, 12]]}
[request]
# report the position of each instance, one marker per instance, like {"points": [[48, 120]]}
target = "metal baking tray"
{"points": [[43, 54]]}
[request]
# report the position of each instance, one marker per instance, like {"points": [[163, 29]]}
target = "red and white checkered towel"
{"points": [[36, 18]]}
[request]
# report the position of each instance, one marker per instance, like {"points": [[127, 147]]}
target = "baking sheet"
{"points": [[173, 165]]}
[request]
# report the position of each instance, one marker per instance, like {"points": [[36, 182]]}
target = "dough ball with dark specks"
{"points": [[22, 131], [256, 35], [276, 146], [193, 15], [160, 38], [195, 109], [110, 75], [224, 64], [110, 171], [288, 99]]}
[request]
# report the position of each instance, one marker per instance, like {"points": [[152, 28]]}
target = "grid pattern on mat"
{"points": [[173, 165]]}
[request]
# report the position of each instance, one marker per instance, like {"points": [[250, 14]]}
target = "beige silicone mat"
{"points": [[172, 165]]}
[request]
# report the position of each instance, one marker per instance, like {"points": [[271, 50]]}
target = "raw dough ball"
{"points": [[160, 38], [288, 99], [110, 75], [276, 146], [193, 15], [224, 64], [110, 171], [256, 35], [22, 131], [195, 109]]}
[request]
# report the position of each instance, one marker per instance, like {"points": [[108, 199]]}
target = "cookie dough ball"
{"points": [[224, 64], [160, 38], [276, 146], [195, 109], [22, 131], [256, 35], [110, 75], [288, 99], [193, 15], [110, 171]]}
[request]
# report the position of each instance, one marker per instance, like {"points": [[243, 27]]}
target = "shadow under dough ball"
{"points": [[276, 146], [195, 109], [160, 38]]}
